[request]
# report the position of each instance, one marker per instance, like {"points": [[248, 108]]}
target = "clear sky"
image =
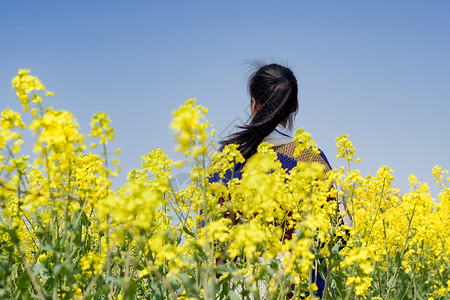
{"points": [[376, 70]]}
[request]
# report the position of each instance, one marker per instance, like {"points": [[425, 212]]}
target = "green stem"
{"points": [[37, 286], [402, 253]]}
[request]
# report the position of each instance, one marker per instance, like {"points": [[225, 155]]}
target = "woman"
{"points": [[274, 102]]}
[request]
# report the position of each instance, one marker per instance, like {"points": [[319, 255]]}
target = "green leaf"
{"points": [[85, 220], [42, 271], [189, 284], [233, 296], [57, 269], [188, 231], [336, 248], [339, 283], [390, 281], [334, 264], [47, 247], [23, 281], [398, 260]]}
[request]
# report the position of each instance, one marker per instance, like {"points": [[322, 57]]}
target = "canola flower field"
{"points": [[66, 234]]}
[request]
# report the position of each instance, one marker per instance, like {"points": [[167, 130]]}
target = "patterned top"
{"points": [[288, 161], [286, 157]]}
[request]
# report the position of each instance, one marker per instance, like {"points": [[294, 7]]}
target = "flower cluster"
{"points": [[268, 234]]}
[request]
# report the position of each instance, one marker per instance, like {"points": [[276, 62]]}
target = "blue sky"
{"points": [[376, 70]]}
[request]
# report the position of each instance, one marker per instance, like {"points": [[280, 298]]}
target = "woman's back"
{"points": [[274, 103]]}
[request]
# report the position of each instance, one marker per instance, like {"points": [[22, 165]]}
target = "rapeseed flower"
{"points": [[66, 233]]}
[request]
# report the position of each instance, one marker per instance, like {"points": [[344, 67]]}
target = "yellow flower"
{"points": [[225, 160], [101, 128], [25, 84], [246, 238], [188, 129], [217, 230], [304, 142], [345, 147], [11, 119], [439, 175], [92, 263]]}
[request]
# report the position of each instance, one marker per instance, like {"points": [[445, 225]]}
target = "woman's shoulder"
{"points": [[286, 153]]}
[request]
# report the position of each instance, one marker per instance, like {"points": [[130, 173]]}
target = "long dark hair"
{"points": [[274, 88]]}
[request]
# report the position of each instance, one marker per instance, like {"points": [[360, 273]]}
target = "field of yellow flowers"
{"points": [[66, 234]]}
